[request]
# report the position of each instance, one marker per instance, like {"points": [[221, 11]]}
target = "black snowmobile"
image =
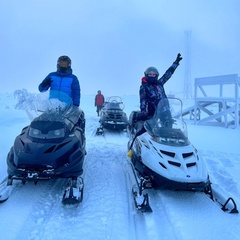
{"points": [[162, 157], [112, 116], [51, 147]]}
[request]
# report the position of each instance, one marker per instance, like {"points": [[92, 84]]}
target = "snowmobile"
{"points": [[162, 157], [112, 116], [51, 147]]}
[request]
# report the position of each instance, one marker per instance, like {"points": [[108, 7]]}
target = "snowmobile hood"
{"points": [[178, 163]]}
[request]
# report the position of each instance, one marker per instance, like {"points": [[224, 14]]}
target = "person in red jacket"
{"points": [[99, 101]]}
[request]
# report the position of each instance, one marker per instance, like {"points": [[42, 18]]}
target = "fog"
{"points": [[111, 43]]}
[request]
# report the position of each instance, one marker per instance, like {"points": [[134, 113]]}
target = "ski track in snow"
{"points": [[30, 203], [48, 202], [103, 175]]}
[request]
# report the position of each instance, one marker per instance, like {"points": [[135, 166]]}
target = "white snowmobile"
{"points": [[163, 158]]}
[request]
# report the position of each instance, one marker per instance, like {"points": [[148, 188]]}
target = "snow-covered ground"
{"points": [[107, 211]]}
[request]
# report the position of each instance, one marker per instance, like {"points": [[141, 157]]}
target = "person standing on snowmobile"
{"points": [[99, 101], [62, 80]]}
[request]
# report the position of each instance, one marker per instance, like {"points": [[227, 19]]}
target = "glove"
{"points": [[141, 116], [178, 59], [46, 82]]}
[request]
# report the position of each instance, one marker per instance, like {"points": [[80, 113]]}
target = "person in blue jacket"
{"points": [[62, 80]]}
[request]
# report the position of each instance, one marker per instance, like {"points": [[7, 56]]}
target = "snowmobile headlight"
{"points": [[57, 133], [35, 132]]}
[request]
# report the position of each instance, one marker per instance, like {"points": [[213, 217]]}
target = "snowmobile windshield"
{"points": [[57, 118], [58, 105], [114, 103], [36, 104], [166, 125]]}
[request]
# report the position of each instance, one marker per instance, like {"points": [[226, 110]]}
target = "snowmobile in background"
{"points": [[51, 147], [162, 157], [112, 116]]}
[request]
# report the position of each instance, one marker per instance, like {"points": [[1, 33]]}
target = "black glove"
{"points": [[141, 116], [178, 59], [46, 82]]}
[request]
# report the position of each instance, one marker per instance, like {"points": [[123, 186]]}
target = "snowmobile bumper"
{"points": [[113, 125], [160, 182], [41, 172]]}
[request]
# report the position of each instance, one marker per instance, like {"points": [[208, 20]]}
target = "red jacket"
{"points": [[99, 100]]}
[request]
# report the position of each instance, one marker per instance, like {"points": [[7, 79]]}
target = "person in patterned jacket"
{"points": [[151, 92], [152, 89]]}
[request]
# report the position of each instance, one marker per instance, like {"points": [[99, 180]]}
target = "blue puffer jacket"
{"points": [[151, 93], [64, 82]]}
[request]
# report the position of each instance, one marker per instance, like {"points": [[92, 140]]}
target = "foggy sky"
{"points": [[111, 43]]}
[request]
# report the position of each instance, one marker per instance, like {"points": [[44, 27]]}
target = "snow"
{"points": [[107, 211]]}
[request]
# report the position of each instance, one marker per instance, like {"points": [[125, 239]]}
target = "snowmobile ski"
{"points": [[100, 131], [73, 194], [140, 196], [6, 189], [141, 202], [218, 196]]}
